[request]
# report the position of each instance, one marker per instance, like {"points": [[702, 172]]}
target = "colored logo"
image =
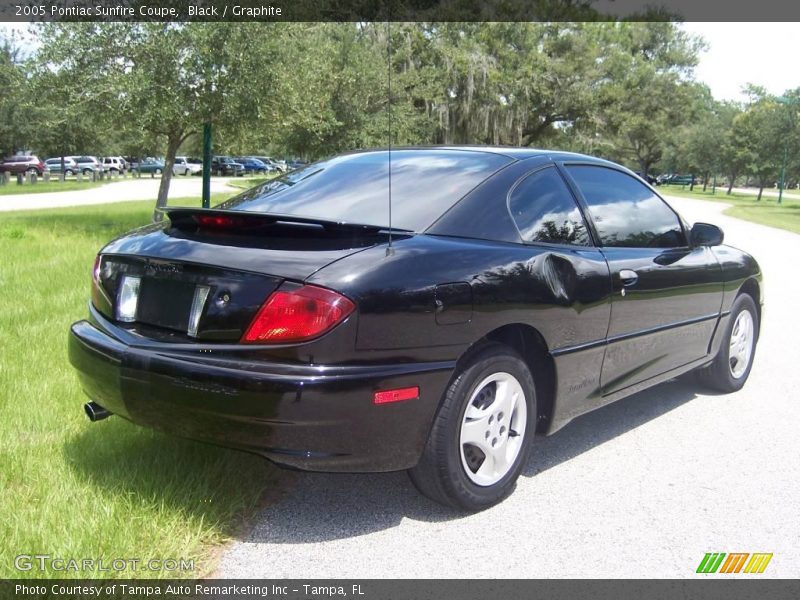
{"points": [[736, 562]]}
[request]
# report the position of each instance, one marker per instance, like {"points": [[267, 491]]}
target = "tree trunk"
{"points": [[730, 183], [644, 167], [705, 181], [173, 143], [760, 191], [691, 185]]}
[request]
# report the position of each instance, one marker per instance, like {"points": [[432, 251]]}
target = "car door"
{"points": [[557, 240], [666, 295]]}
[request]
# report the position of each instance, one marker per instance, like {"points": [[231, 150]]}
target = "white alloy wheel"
{"points": [[741, 344], [493, 429]]}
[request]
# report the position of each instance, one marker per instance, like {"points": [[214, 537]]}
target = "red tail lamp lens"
{"points": [[298, 315]]}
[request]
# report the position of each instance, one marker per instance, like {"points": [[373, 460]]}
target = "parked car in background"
{"points": [[88, 164], [115, 164], [151, 165], [524, 288], [296, 164], [253, 164], [675, 179], [131, 161], [22, 164], [277, 165], [225, 165], [185, 165], [54, 165], [651, 179]]}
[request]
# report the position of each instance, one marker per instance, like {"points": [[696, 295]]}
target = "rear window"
{"points": [[355, 188]]}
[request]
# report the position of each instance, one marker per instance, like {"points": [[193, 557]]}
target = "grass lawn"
{"points": [[767, 211], [106, 490], [54, 185]]}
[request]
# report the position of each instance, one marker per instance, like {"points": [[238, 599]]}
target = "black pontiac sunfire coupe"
{"points": [[507, 292]]}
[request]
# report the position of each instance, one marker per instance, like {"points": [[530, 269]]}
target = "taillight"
{"points": [[298, 315], [218, 221]]}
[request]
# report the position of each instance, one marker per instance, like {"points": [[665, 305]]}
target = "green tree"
{"points": [[68, 121], [760, 131], [16, 119], [698, 146], [647, 90], [166, 79]]}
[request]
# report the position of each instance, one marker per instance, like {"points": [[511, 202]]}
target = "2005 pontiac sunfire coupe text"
{"points": [[510, 291]]}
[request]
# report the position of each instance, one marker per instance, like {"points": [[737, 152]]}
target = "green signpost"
{"points": [[207, 165]]}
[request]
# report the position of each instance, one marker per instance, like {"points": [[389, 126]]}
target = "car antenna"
{"points": [[389, 249]]}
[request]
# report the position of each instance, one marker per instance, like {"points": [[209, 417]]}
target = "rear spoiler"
{"points": [[192, 219]]}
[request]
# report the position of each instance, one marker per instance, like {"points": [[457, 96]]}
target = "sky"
{"points": [[739, 53]]}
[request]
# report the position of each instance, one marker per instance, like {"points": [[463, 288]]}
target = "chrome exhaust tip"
{"points": [[95, 412]]}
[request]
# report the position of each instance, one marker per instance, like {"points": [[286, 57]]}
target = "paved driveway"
{"points": [[640, 488], [118, 191]]}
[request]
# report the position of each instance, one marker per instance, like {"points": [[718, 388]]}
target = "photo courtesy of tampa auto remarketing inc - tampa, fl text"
{"points": [[399, 299]]}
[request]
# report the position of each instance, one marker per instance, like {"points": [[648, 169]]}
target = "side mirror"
{"points": [[705, 234]]}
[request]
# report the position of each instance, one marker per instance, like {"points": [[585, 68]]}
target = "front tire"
{"points": [[480, 439], [731, 367]]}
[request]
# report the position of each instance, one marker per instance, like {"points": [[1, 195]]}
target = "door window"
{"points": [[625, 212]]}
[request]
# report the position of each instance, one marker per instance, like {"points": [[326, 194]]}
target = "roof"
{"points": [[515, 152]]}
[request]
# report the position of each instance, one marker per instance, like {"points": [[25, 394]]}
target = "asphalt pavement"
{"points": [[642, 488]]}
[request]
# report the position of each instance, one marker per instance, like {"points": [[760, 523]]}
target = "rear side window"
{"points": [[354, 188], [545, 211], [626, 213]]}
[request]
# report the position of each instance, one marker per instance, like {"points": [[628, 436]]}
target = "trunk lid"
{"points": [[204, 275]]}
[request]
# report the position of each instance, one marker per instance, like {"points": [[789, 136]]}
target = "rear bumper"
{"points": [[318, 418]]}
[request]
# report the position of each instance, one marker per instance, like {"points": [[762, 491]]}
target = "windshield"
{"points": [[354, 188]]}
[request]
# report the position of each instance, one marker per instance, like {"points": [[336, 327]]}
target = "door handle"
{"points": [[628, 277]]}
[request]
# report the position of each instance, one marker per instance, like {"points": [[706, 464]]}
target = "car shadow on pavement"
{"points": [[317, 507]]}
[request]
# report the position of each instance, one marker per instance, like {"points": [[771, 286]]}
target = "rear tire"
{"points": [[732, 365], [480, 438]]}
